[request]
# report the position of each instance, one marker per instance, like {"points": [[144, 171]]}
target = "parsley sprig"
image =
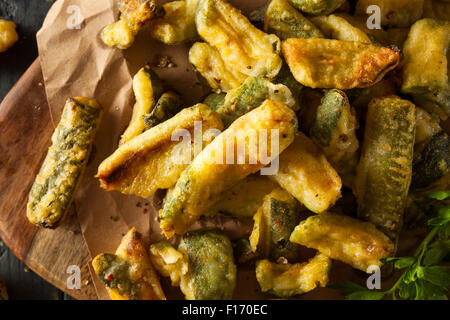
{"points": [[423, 278]]}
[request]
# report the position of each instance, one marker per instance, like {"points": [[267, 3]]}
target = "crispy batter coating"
{"points": [[324, 63], [245, 144], [343, 238], [307, 175], [242, 46], [336, 27], [61, 172], [178, 23], [128, 274], [155, 159], [287, 280], [8, 34]]}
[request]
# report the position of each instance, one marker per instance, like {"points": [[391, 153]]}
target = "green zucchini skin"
{"points": [[432, 163], [211, 264], [253, 92], [111, 264], [328, 115], [385, 169], [257, 16], [285, 77], [334, 130], [286, 22], [425, 73], [274, 222], [168, 105], [215, 100], [317, 7], [55, 185]]}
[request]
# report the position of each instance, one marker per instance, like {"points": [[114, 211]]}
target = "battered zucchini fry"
{"points": [[147, 88], [427, 126], [342, 238], [168, 105], [203, 265], [244, 198], [134, 15], [285, 77], [286, 22], [308, 176], [241, 45], [60, 174], [208, 61], [287, 280], [8, 34], [394, 13], [128, 274], [425, 74], [336, 27], [236, 153], [361, 97], [178, 23], [154, 160], [432, 163], [317, 7], [334, 130], [215, 100], [324, 63], [273, 224], [251, 95], [384, 172]]}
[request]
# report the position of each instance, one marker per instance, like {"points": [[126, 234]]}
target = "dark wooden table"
{"points": [[21, 282]]}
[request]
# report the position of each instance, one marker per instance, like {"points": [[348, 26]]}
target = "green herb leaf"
{"points": [[440, 195], [437, 252], [437, 275], [442, 218], [404, 262], [407, 290], [366, 295]]}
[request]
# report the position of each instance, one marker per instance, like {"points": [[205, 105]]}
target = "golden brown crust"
{"points": [[324, 63]]}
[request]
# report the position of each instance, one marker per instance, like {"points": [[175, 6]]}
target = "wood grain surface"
{"points": [[25, 132]]}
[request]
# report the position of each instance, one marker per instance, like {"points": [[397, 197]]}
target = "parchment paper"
{"points": [[75, 62]]}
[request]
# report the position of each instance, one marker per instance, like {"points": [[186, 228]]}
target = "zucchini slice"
{"points": [[250, 95], [317, 7], [336, 27], [325, 63], [384, 172], [209, 63], [287, 280], [148, 89], [168, 105], [134, 15], [242, 46], [128, 274], [61, 172], [359, 244], [244, 198], [218, 167], [273, 224], [286, 22], [398, 13], [156, 158], [432, 163], [425, 74], [307, 175], [215, 100], [178, 23], [203, 266], [334, 130]]}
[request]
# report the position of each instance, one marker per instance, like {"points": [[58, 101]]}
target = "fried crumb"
{"points": [[165, 62]]}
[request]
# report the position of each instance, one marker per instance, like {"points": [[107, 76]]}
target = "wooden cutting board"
{"points": [[25, 132]]}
